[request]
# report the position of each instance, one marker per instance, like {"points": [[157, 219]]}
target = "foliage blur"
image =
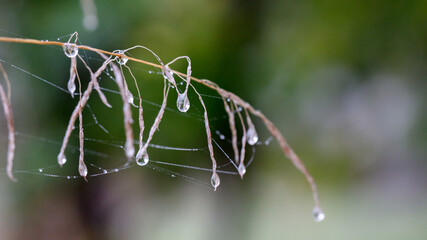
{"points": [[345, 81]]}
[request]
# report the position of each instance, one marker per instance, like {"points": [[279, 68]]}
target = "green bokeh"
{"points": [[345, 82]]}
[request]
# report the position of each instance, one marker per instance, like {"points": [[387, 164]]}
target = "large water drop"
{"points": [[71, 50], [143, 160], [182, 102]]}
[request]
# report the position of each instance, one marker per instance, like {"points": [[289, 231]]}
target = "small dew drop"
{"points": [[68, 177], [318, 214], [82, 169], [242, 169], [121, 60], [143, 159], [61, 159], [252, 135], [105, 171], [228, 100], [40, 170], [182, 102], [71, 87], [173, 175], [215, 181], [116, 170], [130, 97], [70, 50]]}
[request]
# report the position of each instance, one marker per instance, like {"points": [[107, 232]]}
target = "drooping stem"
{"points": [[287, 150], [7, 108]]}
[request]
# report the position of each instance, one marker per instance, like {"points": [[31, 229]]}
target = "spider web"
{"points": [[104, 143]]}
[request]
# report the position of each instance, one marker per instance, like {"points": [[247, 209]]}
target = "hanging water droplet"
{"points": [[252, 135], [70, 50], [68, 177], [116, 170], [82, 169], [105, 171], [40, 170], [242, 169], [130, 97], [143, 160], [215, 181], [168, 74], [182, 102], [61, 159], [71, 87], [121, 60], [318, 214]]}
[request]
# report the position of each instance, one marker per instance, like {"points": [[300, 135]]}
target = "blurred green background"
{"points": [[345, 82]]}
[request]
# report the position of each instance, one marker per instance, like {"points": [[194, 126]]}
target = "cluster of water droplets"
{"points": [[70, 50]]}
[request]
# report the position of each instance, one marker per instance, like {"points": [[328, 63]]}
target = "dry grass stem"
{"points": [[215, 178], [287, 150], [127, 112], [8, 113], [242, 168], [232, 124], [143, 151]]}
